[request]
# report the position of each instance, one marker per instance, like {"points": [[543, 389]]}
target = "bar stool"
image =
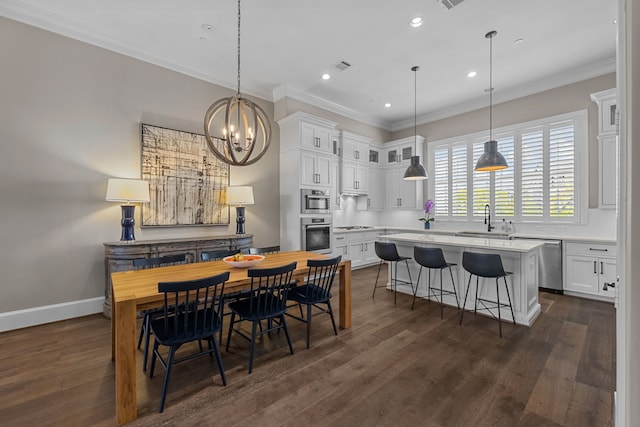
{"points": [[433, 258], [388, 252], [490, 266]]}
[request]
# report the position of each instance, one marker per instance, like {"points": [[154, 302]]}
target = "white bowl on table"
{"points": [[247, 261]]}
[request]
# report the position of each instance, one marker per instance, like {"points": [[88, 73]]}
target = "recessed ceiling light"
{"points": [[387, 105], [518, 41], [416, 22], [326, 76], [471, 74], [207, 27], [615, 21]]}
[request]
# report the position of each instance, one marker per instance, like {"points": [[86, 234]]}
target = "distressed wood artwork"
{"points": [[187, 183]]}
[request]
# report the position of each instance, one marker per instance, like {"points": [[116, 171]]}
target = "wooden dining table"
{"points": [[138, 289]]}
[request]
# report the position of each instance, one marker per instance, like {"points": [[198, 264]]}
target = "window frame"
{"points": [[581, 172]]}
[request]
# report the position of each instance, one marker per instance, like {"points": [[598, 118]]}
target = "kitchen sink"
{"points": [[484, 234]]}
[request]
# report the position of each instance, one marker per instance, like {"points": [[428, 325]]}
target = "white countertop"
{"points": [[433, 232], [469, 242]]}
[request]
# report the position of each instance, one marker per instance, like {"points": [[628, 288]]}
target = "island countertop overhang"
{"points": [[466, 242]]}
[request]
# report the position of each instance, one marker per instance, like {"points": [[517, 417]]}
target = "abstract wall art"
{"points": [[187, 183]]}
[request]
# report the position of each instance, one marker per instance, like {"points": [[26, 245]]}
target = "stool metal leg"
{"points": [[377, 275], [464, 304], [453, 283], [416, 289], [509, 297], [499, 314]]}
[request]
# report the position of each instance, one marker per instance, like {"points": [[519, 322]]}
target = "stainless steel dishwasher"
{"points": [[549, 264]]}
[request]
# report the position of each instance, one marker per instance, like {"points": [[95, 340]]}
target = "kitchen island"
{"points": [[518, 256]]}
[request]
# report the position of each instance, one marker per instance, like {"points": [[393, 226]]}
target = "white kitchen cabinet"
{"points": [[354, 177], [355, 147], [590, 269], [376, 193], [336, 200], [357, 246], [315, 169], [607, 147], [315, 137], [340, 245], [401, 194]]}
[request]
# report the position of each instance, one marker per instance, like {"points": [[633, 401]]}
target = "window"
{"points": [[546, 164]]}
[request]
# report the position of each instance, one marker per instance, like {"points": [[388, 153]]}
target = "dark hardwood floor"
{"points": [[395, 367]]}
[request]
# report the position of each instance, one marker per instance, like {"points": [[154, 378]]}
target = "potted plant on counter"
{"points": [[429, 207]]}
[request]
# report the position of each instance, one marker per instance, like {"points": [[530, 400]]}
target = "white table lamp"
{"points": [[127, 192], [240, 196]]}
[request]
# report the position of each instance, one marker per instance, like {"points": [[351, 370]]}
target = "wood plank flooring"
{"points": [[395, 367]]}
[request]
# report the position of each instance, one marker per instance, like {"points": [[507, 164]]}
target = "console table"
{"points": [[119, 256]]}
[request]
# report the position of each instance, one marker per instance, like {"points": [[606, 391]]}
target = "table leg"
{"points": [[345, 294], [125, 353]]}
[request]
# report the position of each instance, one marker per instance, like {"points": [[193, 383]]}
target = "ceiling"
{"points": [[288, 44]]}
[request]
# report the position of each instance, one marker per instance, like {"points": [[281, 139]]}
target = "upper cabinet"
{"points": [[607, 147], [355, 147], [401, 151], [302, 130]]}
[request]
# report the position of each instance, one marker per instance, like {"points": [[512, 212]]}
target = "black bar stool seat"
{"points": [[387, 252], [433, 258], [489, 266]]}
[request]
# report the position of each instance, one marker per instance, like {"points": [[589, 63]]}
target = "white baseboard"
{"points": [[49, 313]]}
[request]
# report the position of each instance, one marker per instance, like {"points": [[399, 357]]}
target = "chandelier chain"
{"points": [[238, 47]]}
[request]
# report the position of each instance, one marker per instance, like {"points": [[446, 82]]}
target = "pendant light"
{"points": [[237, 130], [415, 171], [491, 159]]}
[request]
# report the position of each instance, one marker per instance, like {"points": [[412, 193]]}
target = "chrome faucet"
{"points": [[487, 217]]}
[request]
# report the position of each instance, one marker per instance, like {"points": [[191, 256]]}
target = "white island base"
{"points": [[519, 257]]}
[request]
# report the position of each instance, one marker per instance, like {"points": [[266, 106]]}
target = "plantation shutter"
{"points": [[459, 173], [532, 176], [441, 177], [504, 195], [561, 169], [481, 183]]}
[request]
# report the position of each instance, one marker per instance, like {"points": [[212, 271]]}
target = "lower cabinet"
{"points": [[358, 246], [591, 270]]}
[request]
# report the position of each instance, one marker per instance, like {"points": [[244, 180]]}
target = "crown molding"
{"points": [[57, 24], [575, 75], [283, 91]]}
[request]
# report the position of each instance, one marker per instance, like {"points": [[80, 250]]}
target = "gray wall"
{"points": [[70, 117], [561, 100]]}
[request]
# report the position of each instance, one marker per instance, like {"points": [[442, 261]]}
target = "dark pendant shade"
{"points": [[491, 159], [415, 171]]}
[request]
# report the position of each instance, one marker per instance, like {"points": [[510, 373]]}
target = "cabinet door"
{"points": [[376, 190], [609, 275], [340, 245], [336, 200], [392, 182], [408, 192], [401, 194], [356, 254], [362, 178], [582, 274], [348, 177], [315, 137], [324, 168], [608, 148], [308, 176]]}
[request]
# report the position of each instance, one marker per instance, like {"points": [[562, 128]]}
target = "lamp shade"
{"points": [[240, 195], [491, 159], [415, 171], [127, 190]]}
